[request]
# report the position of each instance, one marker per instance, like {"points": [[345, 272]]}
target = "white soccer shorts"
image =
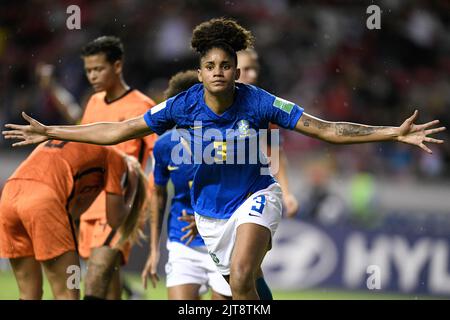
{"points": [[263, 208], [193, 265]]}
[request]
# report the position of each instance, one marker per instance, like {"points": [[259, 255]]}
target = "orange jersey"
{"points": [[77, 172], [132, 104]]}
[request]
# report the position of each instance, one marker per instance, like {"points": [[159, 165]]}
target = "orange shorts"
{"points": [[94, 233], [33, 222]]}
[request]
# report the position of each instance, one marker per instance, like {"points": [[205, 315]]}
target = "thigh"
{"points": [[63, 285], [28, 274], [252, 244], [188, 291]]}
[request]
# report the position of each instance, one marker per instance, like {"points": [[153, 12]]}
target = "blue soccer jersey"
{"points": [[181, 176], [224, 149]]}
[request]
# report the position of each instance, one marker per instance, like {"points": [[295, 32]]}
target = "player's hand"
{"points": [[191, 227], [417, 134], [291, 205], [150, 269], [34, 132]]}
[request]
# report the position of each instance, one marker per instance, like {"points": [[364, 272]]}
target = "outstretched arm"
{"points": [[102, 133], [347, 133]]}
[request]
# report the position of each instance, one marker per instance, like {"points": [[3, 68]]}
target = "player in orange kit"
{"points": [[50, 189], [113, 101]]}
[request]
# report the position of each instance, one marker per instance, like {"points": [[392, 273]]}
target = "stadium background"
{"points": [[378, 204]]}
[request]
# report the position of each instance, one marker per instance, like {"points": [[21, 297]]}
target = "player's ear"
{"points": [[199, 75], [118, 66], [238, 74]]}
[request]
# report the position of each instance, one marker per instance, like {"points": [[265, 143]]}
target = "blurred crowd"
{"points": [[319, 54]]}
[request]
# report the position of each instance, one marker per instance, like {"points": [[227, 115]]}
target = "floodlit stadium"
{"points": [[276, 149]]}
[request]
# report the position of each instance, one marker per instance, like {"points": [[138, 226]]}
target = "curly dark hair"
{"points": [[111, 46], [222, 33], [181, 82]]}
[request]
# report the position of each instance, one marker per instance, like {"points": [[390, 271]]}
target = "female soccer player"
{"points": [[237, 209], [50, 189], [189, 269]]}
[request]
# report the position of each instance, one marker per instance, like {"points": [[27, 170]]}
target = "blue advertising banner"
{"points": [[308, 255]]}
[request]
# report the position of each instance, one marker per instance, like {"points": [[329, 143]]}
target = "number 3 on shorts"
{"points": [[260, 203]]}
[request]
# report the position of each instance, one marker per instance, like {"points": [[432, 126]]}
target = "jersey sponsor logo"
{"points": [[172, 168], [158, 107], [284, 105]]}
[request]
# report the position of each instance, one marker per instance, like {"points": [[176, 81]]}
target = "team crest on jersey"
{"points": [[243, 127]]}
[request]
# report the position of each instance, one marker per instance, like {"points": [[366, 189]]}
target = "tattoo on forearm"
{"points": [[318, 124], [323, 125], [354, 130]]}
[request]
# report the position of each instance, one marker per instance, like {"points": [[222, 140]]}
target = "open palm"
{"points": [[34, 132], [417, 134]]}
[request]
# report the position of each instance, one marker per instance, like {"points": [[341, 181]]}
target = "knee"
{"points": [[29, 284], [32, 293], [241, 277]]}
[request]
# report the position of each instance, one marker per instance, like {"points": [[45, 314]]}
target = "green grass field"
{"points": [[9, 291]]}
